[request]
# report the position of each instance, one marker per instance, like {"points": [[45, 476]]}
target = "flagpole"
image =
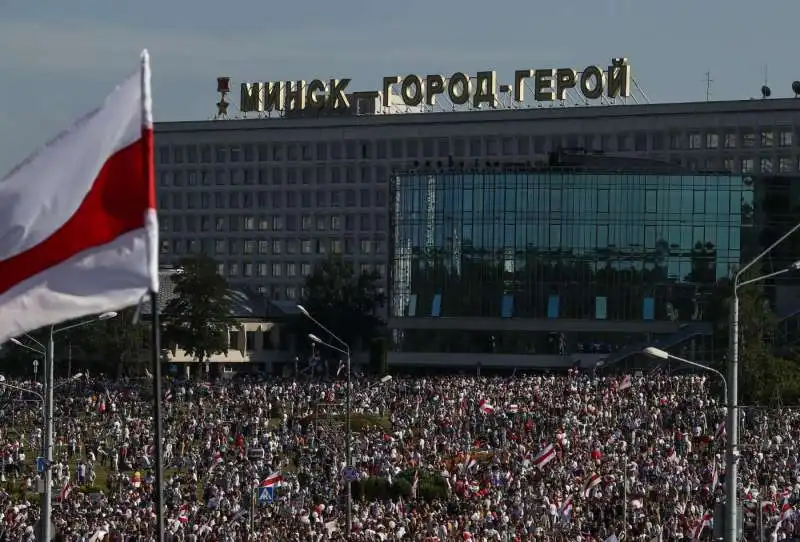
{"points": [[148, 167], [159, 459]]}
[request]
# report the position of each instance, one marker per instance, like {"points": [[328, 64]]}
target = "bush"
{"points": [[358, 422], [431, 487], [92, 489]]}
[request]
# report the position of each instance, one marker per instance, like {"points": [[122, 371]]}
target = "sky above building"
{"points": [[60, 59]]}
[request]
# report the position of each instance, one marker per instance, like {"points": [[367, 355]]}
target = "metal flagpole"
{"points": [[158, 496], [47, 495], [760, 523], [625, 504], [148, 169], [253, 512]]}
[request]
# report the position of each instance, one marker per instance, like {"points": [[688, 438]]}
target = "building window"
{"points": [[552, 306], [767, 138], [748, 140], [276, 270], [785, 165], [648, 308], [729, 140], [766, 165], [600, 307], [712, 141], [436, 306], [695, 140], [785, 138], [507, 306], [747, 165]]}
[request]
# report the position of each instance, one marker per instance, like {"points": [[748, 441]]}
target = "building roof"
{"points": [[245, 303], [644, 112]]}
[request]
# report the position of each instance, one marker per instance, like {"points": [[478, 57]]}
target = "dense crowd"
{"points": [[574, 457]]}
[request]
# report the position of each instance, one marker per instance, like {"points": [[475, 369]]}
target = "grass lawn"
{"points": [[358, 423]]}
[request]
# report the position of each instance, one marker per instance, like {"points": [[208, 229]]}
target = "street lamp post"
{"points": [[347, 421], [657, 353], [348, 432], [732, 426], [348, 453], [345, 350], [49, 373]]}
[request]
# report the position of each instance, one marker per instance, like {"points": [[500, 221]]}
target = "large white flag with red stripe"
{"points": [[78, 226]]}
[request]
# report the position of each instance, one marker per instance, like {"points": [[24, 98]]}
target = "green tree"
{"points": [[765, 377], [118, 343], [198, 318], [346, 303]]}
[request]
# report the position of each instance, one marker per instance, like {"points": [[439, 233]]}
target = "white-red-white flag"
{"points": [[78, 225], [274, 479]]}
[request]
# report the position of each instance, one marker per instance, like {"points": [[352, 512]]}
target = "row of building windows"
{"points": [[727, 138], [602, 308], [277, 270], [274, 247], [273, 176], [368, 197], [178, 223], [290, 199]]}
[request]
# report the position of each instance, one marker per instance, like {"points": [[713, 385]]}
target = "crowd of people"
{"points": [[575, 457]]}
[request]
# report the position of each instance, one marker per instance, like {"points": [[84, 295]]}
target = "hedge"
{"points": [[431, 487], [358, 422]]}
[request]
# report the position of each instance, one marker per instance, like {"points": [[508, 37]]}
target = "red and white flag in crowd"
{"points": [[714, 478], [545, 456], [216, 460], [272, 480], [565, 510], [702, 523], [485, 406], [65, 491], [590, 483], [787, 511], [183, 513], [78, 225], [626, 383], [720, 432]]}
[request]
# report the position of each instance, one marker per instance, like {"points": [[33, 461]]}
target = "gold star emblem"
{"points": [[222, 107]]}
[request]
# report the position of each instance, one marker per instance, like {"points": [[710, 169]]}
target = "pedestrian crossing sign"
{"points": [[266, 494]]}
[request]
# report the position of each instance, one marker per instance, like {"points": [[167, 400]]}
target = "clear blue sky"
{"points": [[59, 59]]}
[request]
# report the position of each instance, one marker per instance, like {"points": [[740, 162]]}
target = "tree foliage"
{"points": [[199, 317], [765, 377], [119, 344], [345, 302]]}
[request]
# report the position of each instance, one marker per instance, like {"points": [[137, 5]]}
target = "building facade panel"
{"points": [[556, 245]]}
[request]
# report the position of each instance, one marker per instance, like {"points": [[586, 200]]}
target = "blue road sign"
{"points": [[349, 474], [41, 464], [266, 494]]}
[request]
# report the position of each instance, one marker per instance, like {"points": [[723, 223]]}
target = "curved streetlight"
{"points": [[47, 402], [345, 349], [663, 355], [732, 421]]}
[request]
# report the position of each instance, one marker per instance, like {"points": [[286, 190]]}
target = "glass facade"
{"points": [[561, 244]]}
